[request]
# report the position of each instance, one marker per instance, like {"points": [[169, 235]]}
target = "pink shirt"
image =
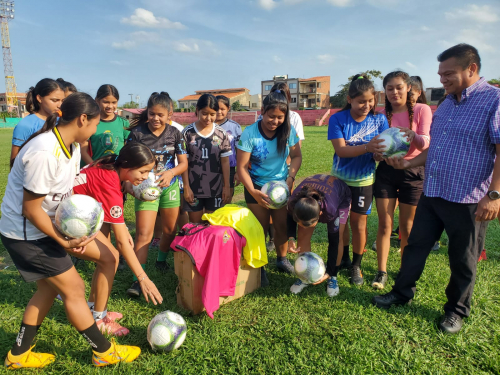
{"points": [[422, 119]]}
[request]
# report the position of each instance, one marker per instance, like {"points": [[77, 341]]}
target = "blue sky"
{"points": [[181, 46]]}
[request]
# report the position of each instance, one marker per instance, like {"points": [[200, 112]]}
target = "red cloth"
{"points": [[216, 253]]}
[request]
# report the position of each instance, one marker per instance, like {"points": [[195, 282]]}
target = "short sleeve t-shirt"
{"points": [[266, 163], [296, 122], [104, 186], [26, 128], [165, 146], [335, 206], [358, 171], [109, 137], [233, 130], [204, 160], [45, 167]]}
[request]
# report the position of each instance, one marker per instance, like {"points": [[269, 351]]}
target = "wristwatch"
{"points": [[493, 195]]}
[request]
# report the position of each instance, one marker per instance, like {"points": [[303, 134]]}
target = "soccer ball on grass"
{"points": [[167, 331], [309, 267]]}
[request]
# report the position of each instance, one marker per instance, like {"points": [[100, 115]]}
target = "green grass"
{"points": [[274, 332]]}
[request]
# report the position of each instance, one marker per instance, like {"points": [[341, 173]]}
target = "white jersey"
{"points": [[45, 167], [295, 122]]}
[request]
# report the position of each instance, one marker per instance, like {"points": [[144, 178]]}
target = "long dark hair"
{"points": [[162, 99], [224, 100], [360, 84], [418, 85], [73, 106], [388, 106], [67, 86], [278, 99], [106, 90], [207, 100], [133, 155], [282, 86], [307, 205], [42, 88]]}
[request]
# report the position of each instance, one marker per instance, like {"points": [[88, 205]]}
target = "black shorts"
{"points": [[37, 259], [405, 185], [249, 199], [232, 173], [362, 199], [209, 204]]}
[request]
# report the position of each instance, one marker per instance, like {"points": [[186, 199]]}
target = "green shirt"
{"points": [[109, 138]]}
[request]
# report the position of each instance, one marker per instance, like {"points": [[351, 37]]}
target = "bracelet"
{"points": [[173, 175], [140, 275], [366, 150], [141, 280]]}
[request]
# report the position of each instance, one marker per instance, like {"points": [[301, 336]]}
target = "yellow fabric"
{"points": [[245, 222]]}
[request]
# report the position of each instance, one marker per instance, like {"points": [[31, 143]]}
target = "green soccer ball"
{"points": [[79, 216], [148, 190], [167, 331], [395, 143], [278, 193], [309, 267]]}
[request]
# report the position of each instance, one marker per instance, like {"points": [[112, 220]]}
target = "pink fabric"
{"points": [[216, 252], [422, 119]]}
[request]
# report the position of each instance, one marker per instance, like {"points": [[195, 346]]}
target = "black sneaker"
{"points": [[285, 266], [380, 280], [356, 276], [345, 264], [162, 266], [385, 301], [135, 290], [264, 281], [451, 324], [395, 233], [121, 263]]}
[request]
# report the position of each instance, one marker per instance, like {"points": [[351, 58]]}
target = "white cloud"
{"points": [[276, 59], [267, 4], [185, 47], [127, 44], [411, 65], [340, 3], [326, 59], [475, 12], [474, 37], [425, 28], [136, 39], [146, 18]]}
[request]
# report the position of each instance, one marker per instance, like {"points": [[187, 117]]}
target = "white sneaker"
{"points": [[332, 288], [298, 286]]}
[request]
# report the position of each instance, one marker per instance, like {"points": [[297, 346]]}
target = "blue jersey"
{"points": [[358, 171], [233, 130], [26, 128], [266, 164]]}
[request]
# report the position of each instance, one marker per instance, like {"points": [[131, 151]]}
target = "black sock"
{"points": [[345, 254], [96, 339], [333, 252], [356, 259], [279, 259], [24, 339]]}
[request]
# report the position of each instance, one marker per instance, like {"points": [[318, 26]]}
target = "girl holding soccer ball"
{"points": [[42, 175], [262, 153], [319, 199]]}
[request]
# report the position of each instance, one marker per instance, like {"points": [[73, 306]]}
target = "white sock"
{"points": [[98, 315], [91, 305]]}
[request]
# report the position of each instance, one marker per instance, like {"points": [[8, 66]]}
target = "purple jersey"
{"points": [[233, 130], [335, 206]]}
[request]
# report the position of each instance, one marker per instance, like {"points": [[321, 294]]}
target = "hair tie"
{"points": [[361, 77], [278, 91], [59, 113]]}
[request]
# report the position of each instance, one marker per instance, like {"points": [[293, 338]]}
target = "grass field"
{"points": [[274, 332]]}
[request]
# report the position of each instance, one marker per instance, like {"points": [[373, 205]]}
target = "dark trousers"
{"points": [[465, 235]]}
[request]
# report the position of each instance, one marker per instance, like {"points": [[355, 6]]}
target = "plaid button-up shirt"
{"points": [[461, 154]]}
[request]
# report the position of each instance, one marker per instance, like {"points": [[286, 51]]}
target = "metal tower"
{"points": [[7, 14]]}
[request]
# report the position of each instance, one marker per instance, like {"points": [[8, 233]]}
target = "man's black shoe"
{"points": [[385, 301], [451, 324]]}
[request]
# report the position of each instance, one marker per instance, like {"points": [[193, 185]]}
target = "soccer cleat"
{"points": [[112, 315], [264, 281], [332, 287], [135, 289], [28, 360], [155, 244], [162, 266], [270, 246], [482, 256], [121, 263], [436, 246], [345, 264], [451, 324], [285, 266], [298, 286], [117, 353], [111, 327], [356, 276], [380, 280]]}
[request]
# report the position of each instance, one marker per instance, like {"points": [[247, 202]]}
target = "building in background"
{"points": [[433, 94], [305, 92], [21, 100], [238, 94], [255, 102]]}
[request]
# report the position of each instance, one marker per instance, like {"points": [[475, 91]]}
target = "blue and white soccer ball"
{"points": [[167, 331], [78, 216], [278, 193], [395, 142], [148, 190], [310, 268]]}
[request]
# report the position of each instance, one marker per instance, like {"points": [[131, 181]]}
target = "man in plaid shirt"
{"points": [[462, 184]]}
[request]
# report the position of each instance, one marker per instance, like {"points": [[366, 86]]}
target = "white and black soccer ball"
{"points": [[167, 331], [278, 193], [78, 216], [148, 190], [395, 142], [310, 268]]}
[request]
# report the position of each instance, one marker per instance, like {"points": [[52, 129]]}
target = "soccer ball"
{"points": [[167, 331], [310, 268], [78, 216], [278, 193], [148, 190], [396, 144]]}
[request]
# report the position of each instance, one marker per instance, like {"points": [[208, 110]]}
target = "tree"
{"points": [[494, 81], [236, 106], [131, 105], [340, 98], [175, 104], [192, 108]]}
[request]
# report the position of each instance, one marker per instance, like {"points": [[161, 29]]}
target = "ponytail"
{"points": [[42, 88], [133, 155], [307, 205], [360, 84]]}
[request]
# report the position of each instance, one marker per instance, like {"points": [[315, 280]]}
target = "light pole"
{"points": [[131, 101]]}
